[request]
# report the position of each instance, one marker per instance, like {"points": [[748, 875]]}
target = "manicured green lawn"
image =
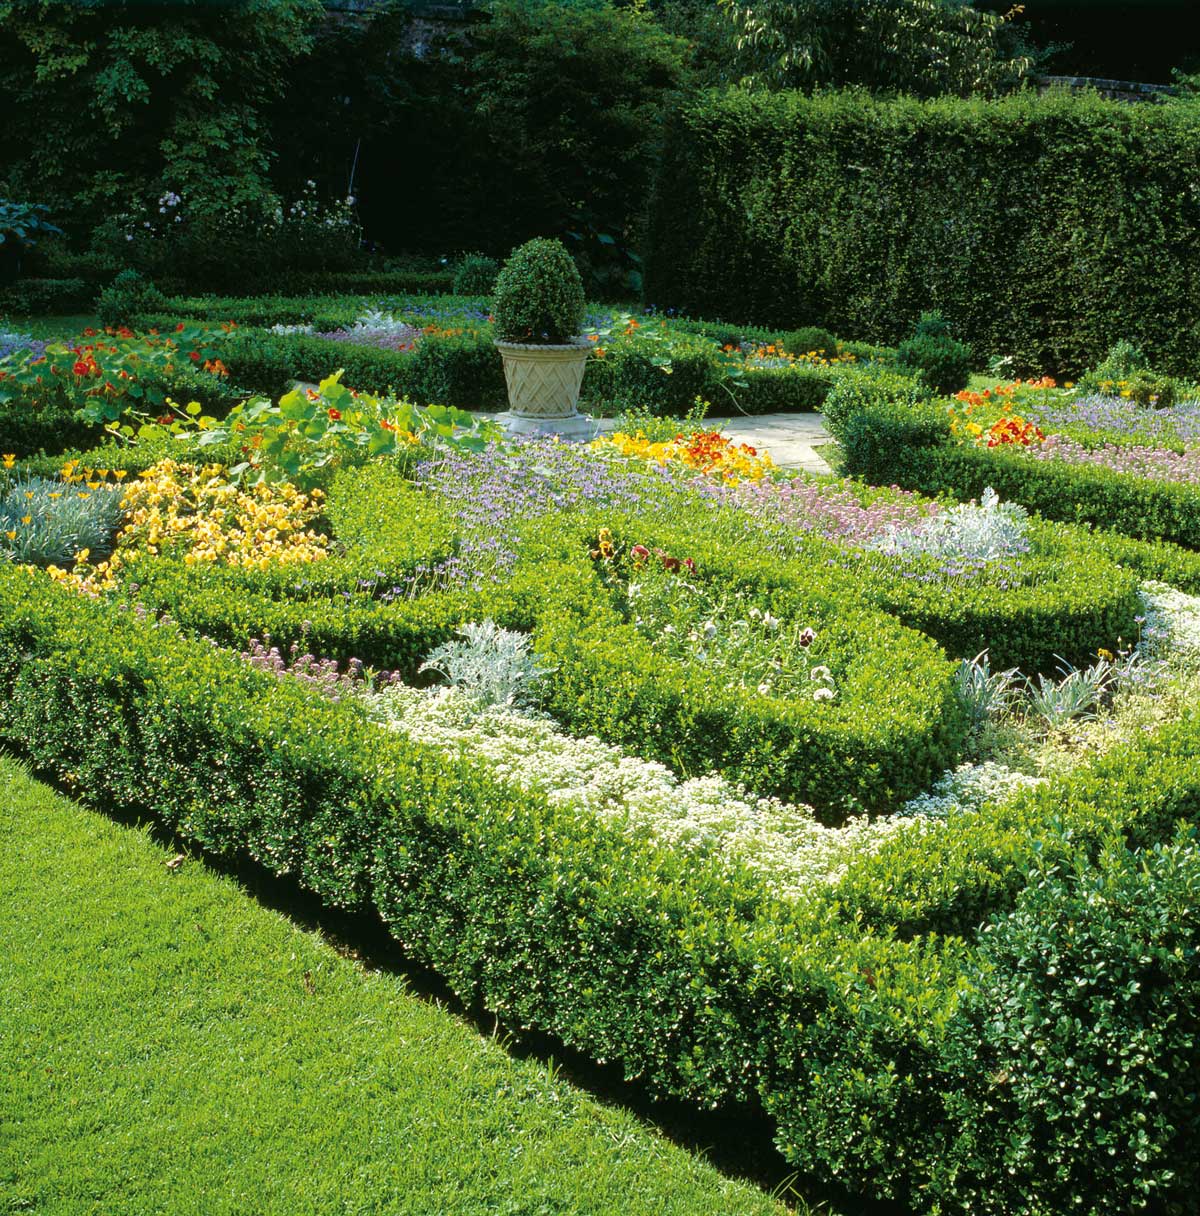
{"points": [[167, 1044]]}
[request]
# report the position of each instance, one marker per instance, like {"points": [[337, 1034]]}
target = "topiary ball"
{"points": [[943, 363], [539, 295], [476, 275], [809, 340]]}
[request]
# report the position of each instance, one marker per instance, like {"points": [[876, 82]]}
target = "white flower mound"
{"points": [[1172, 626], [784, 842], [967, 788]]}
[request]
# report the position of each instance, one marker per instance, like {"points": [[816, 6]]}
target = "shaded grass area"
{"points": [[167, 1044]]}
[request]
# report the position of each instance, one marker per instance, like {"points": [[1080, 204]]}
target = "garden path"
{"points": [[791, 439]]}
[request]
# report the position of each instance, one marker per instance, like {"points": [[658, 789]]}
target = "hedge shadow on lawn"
{"points": [[736, 1140]]}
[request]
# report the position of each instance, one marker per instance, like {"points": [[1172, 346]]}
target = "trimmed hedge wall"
{"points": [[1044, 227], [913, 448], [26, 297], [465, 370]]}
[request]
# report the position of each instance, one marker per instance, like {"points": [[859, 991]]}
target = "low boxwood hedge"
{"points": [[693, 977], [682, 968], [913, 447], [28, 297], [1061, 600], [894, 726], [951, 880]]}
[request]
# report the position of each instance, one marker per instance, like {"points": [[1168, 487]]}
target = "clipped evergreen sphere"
{"points": [[539, 295]]}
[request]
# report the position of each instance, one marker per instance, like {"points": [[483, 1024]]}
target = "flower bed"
{"points": [[440, 349], [653, 838], [1145, 492], [58, 394], [676, 956]]}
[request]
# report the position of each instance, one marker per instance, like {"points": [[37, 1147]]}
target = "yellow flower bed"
{"points": [[196, 513], [707, 452]]}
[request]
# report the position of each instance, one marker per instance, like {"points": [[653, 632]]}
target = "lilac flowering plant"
{"points": [[494, 494], [24, 345], [324, 675], [1155, 463], [1098, 419]]}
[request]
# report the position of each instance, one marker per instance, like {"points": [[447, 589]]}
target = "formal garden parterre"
{"points": [[769, 787], [863, 803]]}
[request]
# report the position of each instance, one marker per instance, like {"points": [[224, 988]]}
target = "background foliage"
{"points": [[1043, 227], [105, 102]]}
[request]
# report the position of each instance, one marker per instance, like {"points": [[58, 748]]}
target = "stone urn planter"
{"points": [[538, 311], [543, 388]]}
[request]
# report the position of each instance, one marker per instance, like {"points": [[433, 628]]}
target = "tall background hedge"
{"points": [[1044, 226]]}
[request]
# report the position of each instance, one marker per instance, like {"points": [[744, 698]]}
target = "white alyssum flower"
{"points": [[1172, 623], [704, 815], [967, 788]]}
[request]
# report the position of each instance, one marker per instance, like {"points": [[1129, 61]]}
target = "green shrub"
{"points": [[943, 364], [1075, 1054], [539, 295], [128, 300], [27, 297], [807, 340], [366, 282], [1062, 598], [629, 375], [476, 275], [862, 387], [1004, 227], [975, 866]]}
